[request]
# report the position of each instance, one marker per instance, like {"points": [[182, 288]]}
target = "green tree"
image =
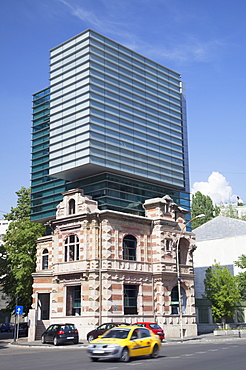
{"points": [[241, 262], [221, 288], [18, 253], [202, 204], [229, 211]]}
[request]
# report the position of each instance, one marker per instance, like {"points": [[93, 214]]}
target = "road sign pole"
{"points": [[16, 304], [17, 336]]}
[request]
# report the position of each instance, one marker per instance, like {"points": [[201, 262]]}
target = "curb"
{"points": [[212, 338], [46, 345]]}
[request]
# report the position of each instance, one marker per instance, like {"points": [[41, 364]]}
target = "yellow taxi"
{"points": [[124, 342]]}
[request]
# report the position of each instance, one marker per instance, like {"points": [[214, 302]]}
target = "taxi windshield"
{"points": [[117, 333]]}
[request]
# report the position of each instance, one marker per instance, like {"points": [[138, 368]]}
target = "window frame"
{"points": [[129, 251], [71, 206], [45, 259], [71, 248]]}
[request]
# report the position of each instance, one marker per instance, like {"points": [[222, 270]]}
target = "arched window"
{"points": [[71, 248], [129, 247], [183, 251], [45, 259], [167, 208], [71, 207], [175, 300]]}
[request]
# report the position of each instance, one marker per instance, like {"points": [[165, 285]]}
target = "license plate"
{"points": [[70, 337], [98, 352]]}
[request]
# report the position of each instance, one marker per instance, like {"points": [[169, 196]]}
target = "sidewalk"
{"points": [[83, 342]]}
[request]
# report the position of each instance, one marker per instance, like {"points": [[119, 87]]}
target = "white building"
{"points": [[223, 240]]}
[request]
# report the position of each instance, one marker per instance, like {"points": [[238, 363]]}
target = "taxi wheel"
{"points": [[90, 338], [155, 352], [124, 355]]}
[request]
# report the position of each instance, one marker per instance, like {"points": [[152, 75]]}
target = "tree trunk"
{"points": [[223, 319]]}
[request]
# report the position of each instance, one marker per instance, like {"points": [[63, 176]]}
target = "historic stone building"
{"points": [[102, 265]]}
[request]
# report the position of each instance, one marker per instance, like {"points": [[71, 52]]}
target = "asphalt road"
{"points": [[214, 355]]}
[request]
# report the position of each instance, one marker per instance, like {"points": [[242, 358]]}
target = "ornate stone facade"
{"points": [[102, 266]]}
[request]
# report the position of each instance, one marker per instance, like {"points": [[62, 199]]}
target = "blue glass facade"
{"points": [[111, 113], [46, 191]]}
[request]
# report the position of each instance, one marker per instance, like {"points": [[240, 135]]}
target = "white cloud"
{"points": [[217, 188]]}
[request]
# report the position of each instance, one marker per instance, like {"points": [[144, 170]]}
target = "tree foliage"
{"points": [[229, 211], [202, 204], [232, 212], [18, 253], [222, 289], [241, 262]]}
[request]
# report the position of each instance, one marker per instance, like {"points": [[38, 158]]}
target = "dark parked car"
{"points": [[7, 326], [23, 329], [60, 333], [100, 330]]}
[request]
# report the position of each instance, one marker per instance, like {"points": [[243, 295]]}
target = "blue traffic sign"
{"points": [[18, 310]]}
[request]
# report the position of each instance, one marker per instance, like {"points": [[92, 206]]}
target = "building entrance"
{"points": [[43, 306]]}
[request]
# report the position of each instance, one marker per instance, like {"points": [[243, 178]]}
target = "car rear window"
{"points": [[154, 326], [68, 327]]}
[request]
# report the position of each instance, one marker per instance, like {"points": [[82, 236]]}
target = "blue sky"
{"points": [[202, 40]]}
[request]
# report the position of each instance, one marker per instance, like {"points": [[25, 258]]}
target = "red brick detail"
{"points": [[116, 297], [119, 308], [116, 286], [39, 289], [42, 281], [148, 308], [146, 288], [147, 298]]}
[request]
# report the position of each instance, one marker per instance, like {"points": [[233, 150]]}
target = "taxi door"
{"points": [[138, 344], [145, 341]]}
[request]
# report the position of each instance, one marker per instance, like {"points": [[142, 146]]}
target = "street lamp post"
{"points": [[179, 275]]}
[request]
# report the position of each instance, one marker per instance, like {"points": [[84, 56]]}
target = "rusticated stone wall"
{"points": [[101, 272]]}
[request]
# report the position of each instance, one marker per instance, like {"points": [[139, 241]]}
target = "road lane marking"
{"points": [[134, 363]]}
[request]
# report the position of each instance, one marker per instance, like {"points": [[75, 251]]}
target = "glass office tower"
{"points": [[46, 191], [113, 123]]}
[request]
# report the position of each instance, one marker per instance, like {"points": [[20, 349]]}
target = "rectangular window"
{"points": [[73, 302], [130, 299]]}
